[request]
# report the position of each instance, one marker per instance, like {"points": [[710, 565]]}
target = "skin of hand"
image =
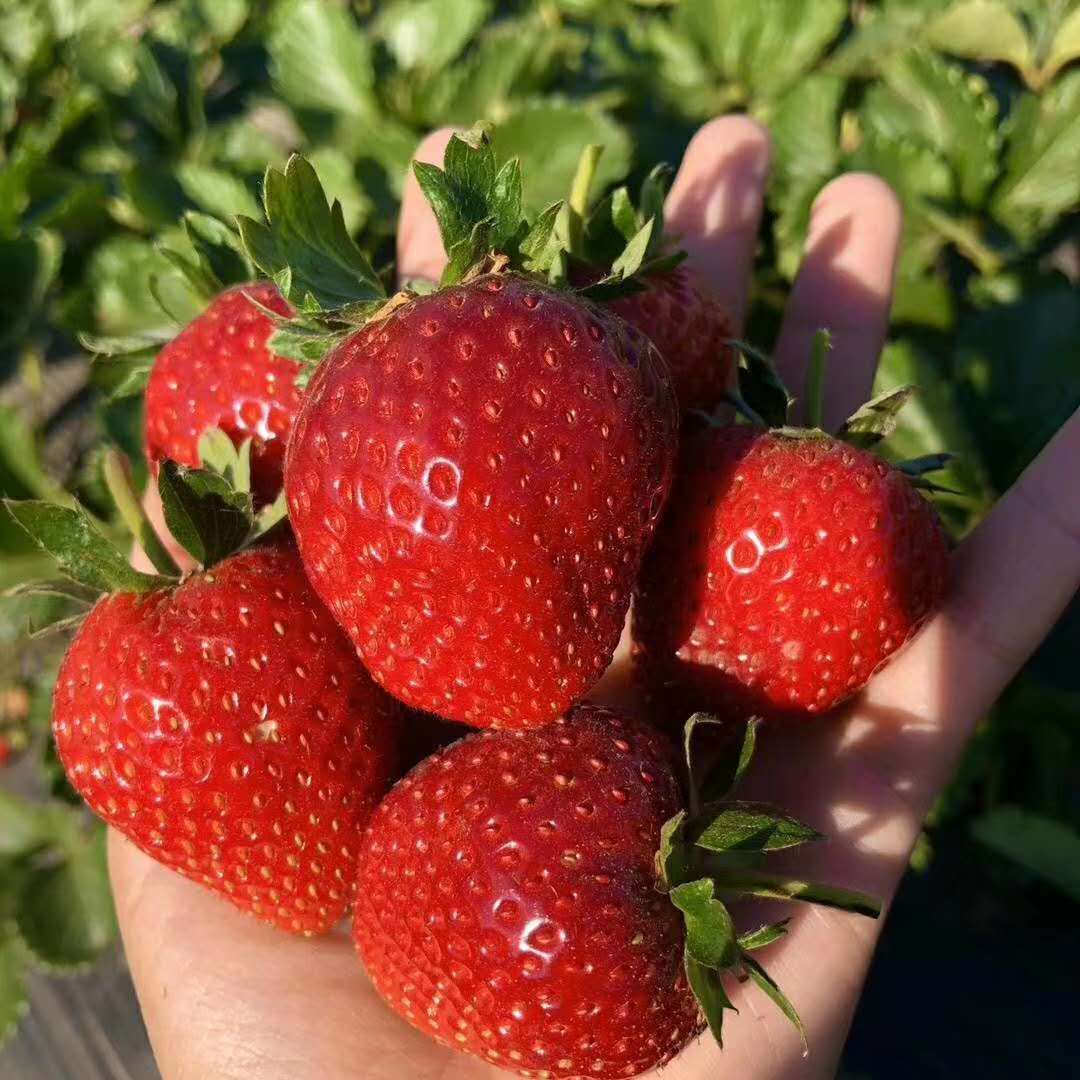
{"points": [[225, 997]]}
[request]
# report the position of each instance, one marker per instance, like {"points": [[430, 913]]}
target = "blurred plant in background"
{"points": [[118, 117]]}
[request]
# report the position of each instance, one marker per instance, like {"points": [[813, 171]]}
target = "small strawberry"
{"points": [[790, 566], [218, 372], [511, 896], [688, 326], [474, 473], [222, 724]]}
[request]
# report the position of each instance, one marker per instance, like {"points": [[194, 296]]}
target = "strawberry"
{"points": [[222, 722], [790, 567], [219, 373], [511, 902], [474, 474], [690, 328]]}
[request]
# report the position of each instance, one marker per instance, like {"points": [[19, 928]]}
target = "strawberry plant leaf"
{"points": [[927, 100], [28, 266], [207, 516], [708, 987], [877, 419], [13, 997], [805, 128], [748, 827], [217, 247], [1046, 848], [64, 913], [24, 826], [981, 30], [710, 933], [429, 34], [763, 935], [1064, 49], [321, 59], [305, 234], [767, 983], [81, 551], [769, 886], [216, 191], [762, 47], [1041, 182]]}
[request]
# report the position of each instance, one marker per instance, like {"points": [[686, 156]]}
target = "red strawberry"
{"points": [[218, 373], [507, 901], [472, 480], [691, 331], [786, 572], [226, 728]]}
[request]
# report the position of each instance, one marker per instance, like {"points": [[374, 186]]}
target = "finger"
{"points": [[225, 997], [845, 285], [419, 247], [714, 207], [1012, 579]]}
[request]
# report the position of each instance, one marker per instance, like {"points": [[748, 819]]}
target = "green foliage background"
{"points": [[116, 116]]}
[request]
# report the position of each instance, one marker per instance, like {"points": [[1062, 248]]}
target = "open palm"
{"points": [[224, 996]]}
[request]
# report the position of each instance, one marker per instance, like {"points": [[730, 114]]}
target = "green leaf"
{"points": [[216, 191], [1041, 181], [765, 47], [429, 33], [28, 267], [206, 515], [22, 473], [708, 987], [220, 454], [710, 933], [877, 419], [81, 552], [548, 138], [224, 17], [321, 59], [24, 827], [761, 396], [14, 1002], [766, 983], [305, 235], [672, 859], [633, 255], [927, 100], [1046, 848], [541, 244], [65, 911], [749, 827], [763, 935], [981, 30], [805, 129], [1064, 49], [770, 886]]}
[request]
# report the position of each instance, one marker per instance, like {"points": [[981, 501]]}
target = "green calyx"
{"points": [[713, 852], [208, 511], [761, 398]]}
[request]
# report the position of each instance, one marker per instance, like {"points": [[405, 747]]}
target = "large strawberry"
{"points": [[668, 304], [219, 372], [511, 897], [474, 474], [790, 566], [223, 724]]}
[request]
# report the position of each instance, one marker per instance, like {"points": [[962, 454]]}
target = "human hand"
{"points": [[224, 996]]}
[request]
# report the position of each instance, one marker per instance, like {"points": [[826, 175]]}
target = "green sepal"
{"points": [[710, 932], [233, 463], [207, 516], [917, 469], [82, 552], [876, 420], [767, 984], [673, 858], [219, 257], [541, 244], [743, 826], [768, 886], [305, 234], [763, 935], [760, 395], [718, 771], [708, 987]]}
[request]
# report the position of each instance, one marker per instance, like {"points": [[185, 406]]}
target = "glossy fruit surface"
{"points": [[227, 729], [785, 573], [218, 373], [507, 902], [472, 480], [691, 331]]}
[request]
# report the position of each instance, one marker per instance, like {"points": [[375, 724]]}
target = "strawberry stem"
{"points": [[118, 481], [578, 202], [815, 379]]}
